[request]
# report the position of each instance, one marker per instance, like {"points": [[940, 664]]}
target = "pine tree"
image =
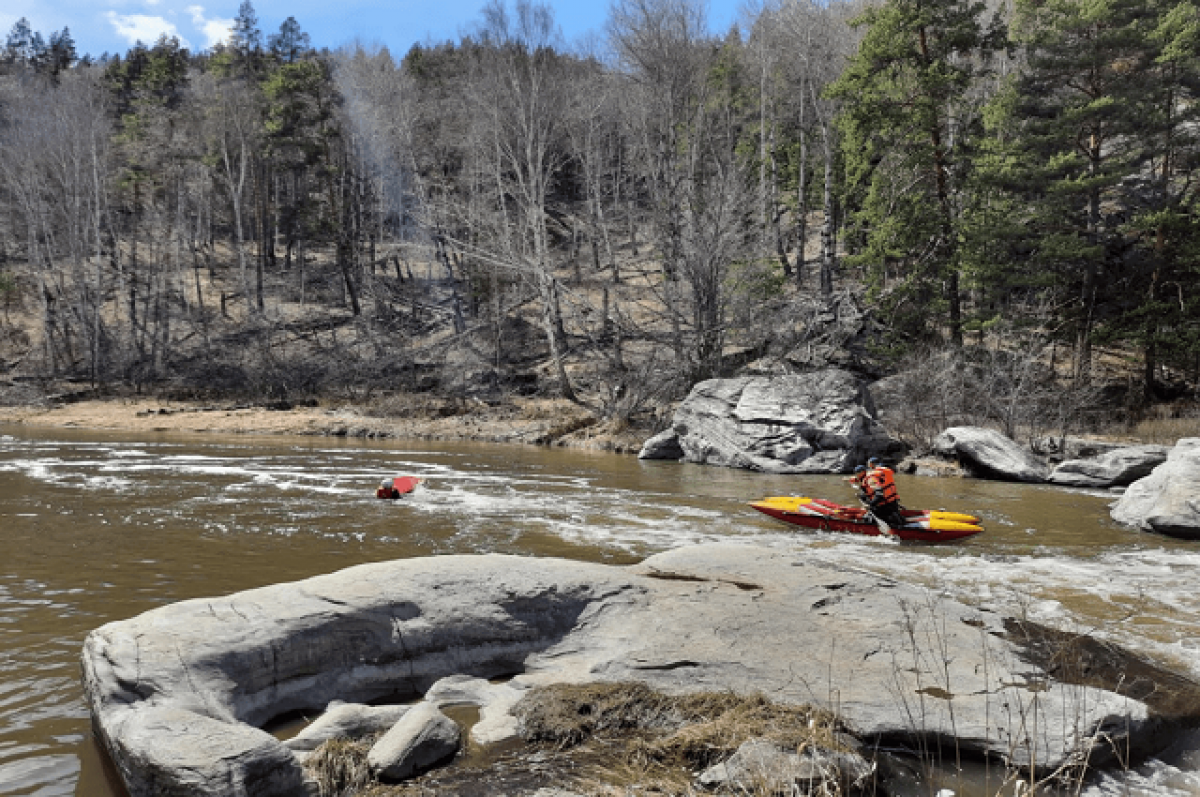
{"points": [[1158, 312], [1072, 133], [290, 43], [60, 55], [908, 122], [24, 44], [245, 39]]}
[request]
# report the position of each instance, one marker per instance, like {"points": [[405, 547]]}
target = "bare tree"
{"points": [[232, 134], [819, 41], [54, 159], [520, 94], [684, 121]]}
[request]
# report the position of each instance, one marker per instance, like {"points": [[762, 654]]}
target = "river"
{"points": [[97, 527]]}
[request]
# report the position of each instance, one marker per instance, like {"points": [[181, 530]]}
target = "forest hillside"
{"points": [[993, 206]]}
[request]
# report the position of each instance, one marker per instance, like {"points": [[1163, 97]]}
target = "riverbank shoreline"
{"points": [[526, 421]]}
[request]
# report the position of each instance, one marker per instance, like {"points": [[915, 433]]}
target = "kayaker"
{"points": [[857, 482], [387, 490], [882, 496]]}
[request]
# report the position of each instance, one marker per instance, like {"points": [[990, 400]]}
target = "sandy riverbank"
{"points": [[534, 421]]}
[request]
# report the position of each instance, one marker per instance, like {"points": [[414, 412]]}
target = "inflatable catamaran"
{"points": [[919, 524]]}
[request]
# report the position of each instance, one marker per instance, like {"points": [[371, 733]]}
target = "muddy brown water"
{"points": [[96, 527]]}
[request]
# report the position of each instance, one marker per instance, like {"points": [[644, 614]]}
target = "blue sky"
{"points": [[99, 26]]}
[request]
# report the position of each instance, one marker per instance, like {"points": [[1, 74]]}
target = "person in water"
{"points": [[387, 490], [882, 496]]}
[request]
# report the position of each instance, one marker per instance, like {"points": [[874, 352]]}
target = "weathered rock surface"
{"points": [[1117, 467], [345, 721], [664, 445], [177, 693], [762, 767], [987, 454], [1166, 501], [494, 700], [822, 422], [420, 739]]}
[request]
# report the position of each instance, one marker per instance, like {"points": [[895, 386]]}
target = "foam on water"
{"points": [[484, 504]]}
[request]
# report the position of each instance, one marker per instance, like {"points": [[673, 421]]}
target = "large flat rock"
{"points": [[178, 693]]}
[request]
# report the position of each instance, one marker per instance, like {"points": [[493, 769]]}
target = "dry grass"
{"points": [[643, 740], [1166, 430], [601, 739], [340, 767]]}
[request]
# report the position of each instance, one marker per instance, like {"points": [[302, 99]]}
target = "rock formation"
{"points": [[1166, 501], [821, 422], [1114, 468], [178, 694], [345, 721], [420, 739], [987, 454]]}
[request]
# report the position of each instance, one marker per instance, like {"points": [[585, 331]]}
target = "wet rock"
{"points": [[421, 739], [762, 767], [494, 701], [664, 445], [1166, 501], [1117, 467], [987, 454], [821, 422]]}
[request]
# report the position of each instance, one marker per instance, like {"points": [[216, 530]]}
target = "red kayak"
{"points": [[920, 524], [394, 488]]}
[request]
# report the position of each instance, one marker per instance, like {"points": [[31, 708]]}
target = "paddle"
{"points": [[880, 522]]}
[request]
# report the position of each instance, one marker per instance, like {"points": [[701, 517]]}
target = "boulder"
{"points": [[822, 422], [1117, 467], [987, 454], [345, 721], [180, 752], [1166, 501], [664, 445], [178, 694], [760, 766], [421, 739]]}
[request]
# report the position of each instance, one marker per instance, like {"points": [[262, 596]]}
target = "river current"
{"points": [[95, 528]]}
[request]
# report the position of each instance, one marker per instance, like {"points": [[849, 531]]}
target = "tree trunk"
{"points": [[802, 207]]}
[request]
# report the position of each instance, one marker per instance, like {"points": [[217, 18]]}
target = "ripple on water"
{"points": [[173, 520], [40, 775]]}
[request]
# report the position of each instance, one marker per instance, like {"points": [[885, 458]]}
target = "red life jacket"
{"points": [[882, 484]]}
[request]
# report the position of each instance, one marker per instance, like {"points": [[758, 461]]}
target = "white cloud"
{"points": [[140, 27], [215, 30]]}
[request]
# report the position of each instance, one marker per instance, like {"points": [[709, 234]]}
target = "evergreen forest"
{"points": [[994, 202]]}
